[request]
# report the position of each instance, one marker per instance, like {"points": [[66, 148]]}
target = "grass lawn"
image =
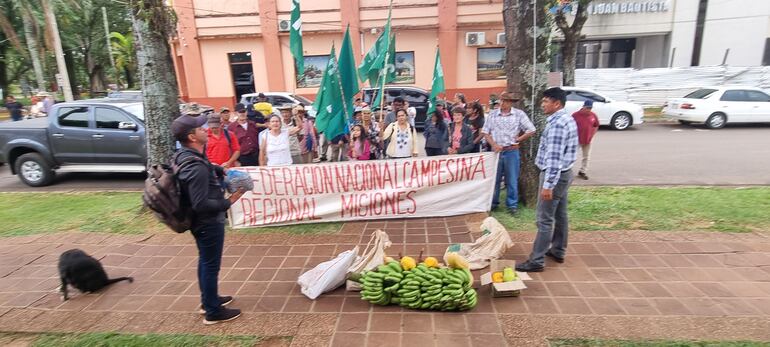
{"points": [[653, 343], [130, 340], [34, 213], [659, 209], [591, 208], [653, 113]]}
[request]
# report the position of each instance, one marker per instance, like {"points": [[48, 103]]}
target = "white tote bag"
{"points": [[373, 256], [328, 275], [491, 245]]}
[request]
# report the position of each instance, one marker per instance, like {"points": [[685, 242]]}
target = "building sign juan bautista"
{"points": [[355, 190], [602, 8]]}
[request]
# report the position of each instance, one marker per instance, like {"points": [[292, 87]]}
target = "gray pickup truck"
{"points": [[103, 135]]}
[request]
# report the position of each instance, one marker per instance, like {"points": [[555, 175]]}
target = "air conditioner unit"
{"points": [[501, 39], [475, 39], [284, 25]]}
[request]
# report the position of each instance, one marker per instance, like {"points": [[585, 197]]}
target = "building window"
{"points": [[315, 65], [242, 73], [597, 54]]}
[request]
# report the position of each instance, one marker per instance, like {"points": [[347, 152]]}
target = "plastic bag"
{"points": [[373, 256], [238, 179], [328, 275], [491, 245]]}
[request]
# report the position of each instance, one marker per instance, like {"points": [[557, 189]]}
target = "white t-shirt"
{"points": [[278, 152]]}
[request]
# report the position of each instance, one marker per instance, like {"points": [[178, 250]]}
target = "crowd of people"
{"points": [[291, 138], [256, 134], [39, 106]]}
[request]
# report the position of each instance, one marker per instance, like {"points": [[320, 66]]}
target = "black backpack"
{"points": [[162, 194]]}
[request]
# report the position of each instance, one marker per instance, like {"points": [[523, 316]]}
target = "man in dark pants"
{"points": [[204, 198], [555, 157]]}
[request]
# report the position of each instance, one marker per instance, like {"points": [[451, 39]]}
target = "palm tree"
{"points": [[124, 54]]}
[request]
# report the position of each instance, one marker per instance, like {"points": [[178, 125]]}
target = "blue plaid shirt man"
{"points": [[558, 147]]}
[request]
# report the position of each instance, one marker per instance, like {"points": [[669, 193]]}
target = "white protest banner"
{"points": [[376, 189]]}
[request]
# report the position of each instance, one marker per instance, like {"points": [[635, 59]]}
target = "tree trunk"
{"points": [[569, 52], [152, 23], [527, 79], [32, 46], [96, 79], [572, 37]]}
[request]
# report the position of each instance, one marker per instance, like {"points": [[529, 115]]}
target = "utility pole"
{"points": [[109, 47], [62, 66]]}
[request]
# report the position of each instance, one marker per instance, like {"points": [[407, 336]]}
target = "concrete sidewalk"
{"points": [[709, 286]]}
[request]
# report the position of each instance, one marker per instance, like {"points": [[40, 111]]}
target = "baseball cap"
{"points": [[588, 103], [214, 120], [192, 109], [224, 109], [184, 124], [240, 107]]}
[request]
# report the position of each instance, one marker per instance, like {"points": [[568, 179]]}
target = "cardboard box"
{"points": [[512, 288]]}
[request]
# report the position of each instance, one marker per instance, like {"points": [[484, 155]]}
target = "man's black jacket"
{"points": [[201, 190]]}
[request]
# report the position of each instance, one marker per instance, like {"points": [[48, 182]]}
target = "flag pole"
{"points": [[384, 71]]}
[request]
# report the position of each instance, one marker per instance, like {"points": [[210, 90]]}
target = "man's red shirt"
{"points": [[218, 150]]}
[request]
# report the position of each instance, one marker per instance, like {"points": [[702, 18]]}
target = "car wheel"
{"points": [[716, 121], [33, 170], [621, 121], [684, 122]]}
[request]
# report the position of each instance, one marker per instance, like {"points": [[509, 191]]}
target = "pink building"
{"points": [[227, 48]]}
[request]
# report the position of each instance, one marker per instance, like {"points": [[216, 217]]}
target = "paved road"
{"points": [[651, 154], [673, 154]]}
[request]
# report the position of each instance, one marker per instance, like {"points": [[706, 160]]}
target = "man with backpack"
{"points": [[221, 148], [202, 197]]}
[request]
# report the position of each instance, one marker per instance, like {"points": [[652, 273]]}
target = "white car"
{"points": [[280, 98], [619, 115], [715, 107]]}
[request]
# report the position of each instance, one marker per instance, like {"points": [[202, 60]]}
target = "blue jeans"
{"points": [[508, 166], [210, 240], [552, 221]]}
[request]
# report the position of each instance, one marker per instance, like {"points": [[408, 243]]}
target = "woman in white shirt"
{"points": [[402, 137], [274, 147]]}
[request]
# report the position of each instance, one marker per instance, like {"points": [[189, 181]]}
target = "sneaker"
{"points": [[529, 266], [223, 301], [513, 211], [224, 315], [583, 175], [559, 260]]}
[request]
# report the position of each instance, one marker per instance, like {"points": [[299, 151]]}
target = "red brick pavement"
{"points": [[613, 285]]}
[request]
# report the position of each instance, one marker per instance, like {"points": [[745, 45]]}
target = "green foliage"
{"points": [[658, 209], [138, 340], [122, 213], [652, 343]]}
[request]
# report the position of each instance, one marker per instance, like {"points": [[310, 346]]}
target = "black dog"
{"points": [[83, 272]]}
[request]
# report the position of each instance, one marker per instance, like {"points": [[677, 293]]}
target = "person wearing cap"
{"points": [[204, 198], [309, 142], [222, 148], [587, 125], [224, 116], [262, 106], [504, 130], [356, 116], [247, 133], [556, 155], [288, 121], [441, 107]]}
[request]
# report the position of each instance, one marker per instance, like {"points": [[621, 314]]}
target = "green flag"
{"points": [[373, 61], [330, 116], [295, 39], [384, 69], [348, 75], [438, 83]]}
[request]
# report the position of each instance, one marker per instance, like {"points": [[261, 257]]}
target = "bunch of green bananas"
{"points": [[423, 287]]}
